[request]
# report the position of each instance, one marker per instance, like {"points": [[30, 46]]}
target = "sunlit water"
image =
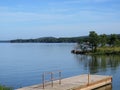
{"points": [[23, 64]]}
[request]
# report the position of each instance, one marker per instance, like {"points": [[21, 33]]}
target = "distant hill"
{"points": [[50, 40], [4, 41]]}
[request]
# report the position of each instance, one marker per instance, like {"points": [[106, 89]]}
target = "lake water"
{"points": [[22, 64]]}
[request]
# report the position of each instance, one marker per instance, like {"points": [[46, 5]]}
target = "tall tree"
{"points": [[94, 40], [103, 39], [113, 39]]}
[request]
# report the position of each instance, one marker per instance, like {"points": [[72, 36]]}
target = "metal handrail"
{"points": [[52, 78]]}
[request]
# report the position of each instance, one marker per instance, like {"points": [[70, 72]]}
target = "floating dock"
{"points": [[81, 82]]}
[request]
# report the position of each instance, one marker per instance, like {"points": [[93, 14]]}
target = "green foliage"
{"points": [[94, 40], [113, 39], [52, 40], [104, 44], [108, 50], [103, 39], [5, 88], [117, 43]]}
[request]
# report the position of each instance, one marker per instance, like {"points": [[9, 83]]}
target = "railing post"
{"points": [[52, 78], [43, 80], [88, 79], [59, 77]]}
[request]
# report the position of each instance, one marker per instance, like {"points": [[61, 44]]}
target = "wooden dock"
{"points": [[81, 82]]}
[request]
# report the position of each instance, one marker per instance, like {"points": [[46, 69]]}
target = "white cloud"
{"points": [[83, 1], [83, 16], [28, 16], [101, 0]]}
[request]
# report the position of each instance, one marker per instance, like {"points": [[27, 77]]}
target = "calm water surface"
{"points": [[22, 64]]}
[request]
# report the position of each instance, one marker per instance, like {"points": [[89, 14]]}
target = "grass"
{"points": [[108, 50], [5, 88]]}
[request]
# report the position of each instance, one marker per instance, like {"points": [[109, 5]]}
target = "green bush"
{"points": [[108, 50], [5, 88]]}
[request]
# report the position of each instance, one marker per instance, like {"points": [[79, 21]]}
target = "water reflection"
{"points": [[103, 65], [98, 63]]}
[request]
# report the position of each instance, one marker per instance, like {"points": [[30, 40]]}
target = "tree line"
{"points": [[51, 40], [93, 38], [103, 40]]}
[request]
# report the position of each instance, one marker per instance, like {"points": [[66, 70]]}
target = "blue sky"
{"points": [[57, 18]]}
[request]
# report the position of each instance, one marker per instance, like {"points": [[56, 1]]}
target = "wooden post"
{"points": [[59, 77], [88, 79], [43, 80], [52, 78], [111, 79]]}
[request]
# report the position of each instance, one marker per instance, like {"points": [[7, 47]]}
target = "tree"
{"points": [[117, 43], [113, 39], [94, 40], [103, 39]]}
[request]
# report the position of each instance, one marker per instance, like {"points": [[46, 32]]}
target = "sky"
{"points": [[23, 19]]}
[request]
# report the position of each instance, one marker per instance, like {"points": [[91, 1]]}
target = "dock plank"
{"points": [[74, 83]]}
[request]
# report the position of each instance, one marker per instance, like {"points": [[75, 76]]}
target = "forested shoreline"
{"points": [[95, 39], [51, 40], [99, 44]]}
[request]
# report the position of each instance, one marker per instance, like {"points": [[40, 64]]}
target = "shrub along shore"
{"points": [[107, 50], [5, 88], [99, 44], [100, 51]]}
